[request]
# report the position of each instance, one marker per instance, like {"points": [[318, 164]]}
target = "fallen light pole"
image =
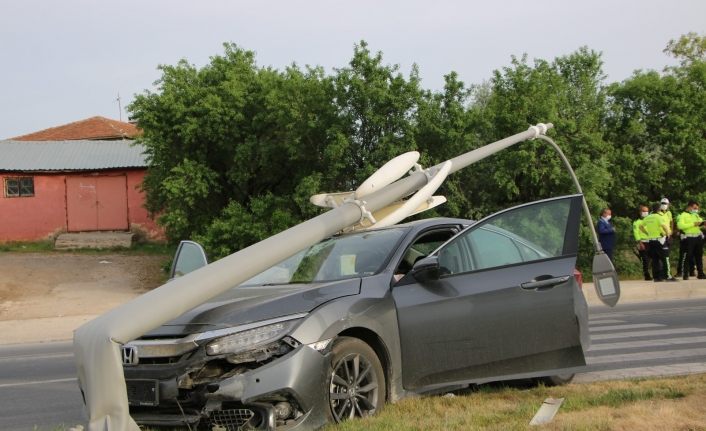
{"points": [[97, 343]]}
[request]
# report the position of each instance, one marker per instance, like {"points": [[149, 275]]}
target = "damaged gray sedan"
{"points": [[363, 318]]}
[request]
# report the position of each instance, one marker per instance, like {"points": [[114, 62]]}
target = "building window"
{"points": [[19, 187]]}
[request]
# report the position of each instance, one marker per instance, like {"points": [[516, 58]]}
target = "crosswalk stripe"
{"points": [[649, 333], [605, 322], [645, 356], [657, 370], [623, 314], [660, 342], [626, 327]]}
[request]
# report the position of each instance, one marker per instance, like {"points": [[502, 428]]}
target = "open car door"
{"points": [[504, 300]]}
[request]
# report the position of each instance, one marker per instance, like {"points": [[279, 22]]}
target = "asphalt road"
{"points": [[38, 389], [646, 339]]}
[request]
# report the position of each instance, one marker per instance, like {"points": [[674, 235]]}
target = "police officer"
{"points": [[690, 223], [690, 267], [642, 241], [656, 231], [669, 222]]}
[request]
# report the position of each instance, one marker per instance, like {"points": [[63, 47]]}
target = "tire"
{"points": [[356, 381], [558, 380]]}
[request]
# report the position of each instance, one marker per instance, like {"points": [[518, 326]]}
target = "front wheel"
{"points": [[356, 381]]}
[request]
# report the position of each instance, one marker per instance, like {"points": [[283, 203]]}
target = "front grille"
{"points": [[160, 361], [232, 419]]}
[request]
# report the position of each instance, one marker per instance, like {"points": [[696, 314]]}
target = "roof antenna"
{"points": [[120, 108]]}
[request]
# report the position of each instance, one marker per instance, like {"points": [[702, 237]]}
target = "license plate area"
{"points": [[142, 392]]}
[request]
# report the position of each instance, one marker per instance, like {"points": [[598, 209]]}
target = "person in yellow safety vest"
{"points": [[667, 246], [690, 267], [656, 230], [642, 242], [691, 224]]}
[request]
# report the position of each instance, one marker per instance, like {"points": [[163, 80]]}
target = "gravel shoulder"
{"points": [[45, 296]]}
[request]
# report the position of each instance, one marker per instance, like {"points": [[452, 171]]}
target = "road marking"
{"points": [[37, 356], [655, 332], [645, 356], [646, 343], [37, 382], [658, 370], [604, 321], [634, 326], [661, 311]]}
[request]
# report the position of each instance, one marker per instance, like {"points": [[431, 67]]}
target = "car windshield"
{"points": [[347, 256]]}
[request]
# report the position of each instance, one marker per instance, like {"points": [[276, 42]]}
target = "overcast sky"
{"points": [[67, 60]]}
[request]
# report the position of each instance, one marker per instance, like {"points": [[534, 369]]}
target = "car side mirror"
{"points": [[189, 256], [426, 269]]}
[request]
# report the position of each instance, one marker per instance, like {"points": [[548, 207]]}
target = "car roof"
{"points": [[435, 221], [418, 225]]}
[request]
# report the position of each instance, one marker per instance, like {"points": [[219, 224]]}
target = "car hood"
{"points": [[241, 305]]}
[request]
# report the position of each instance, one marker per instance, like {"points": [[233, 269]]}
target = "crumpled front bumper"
{"points": [[299, 377]]}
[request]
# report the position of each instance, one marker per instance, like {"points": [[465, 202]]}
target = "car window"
{"points": [[495, 248], [421, 248], [522, 234]]}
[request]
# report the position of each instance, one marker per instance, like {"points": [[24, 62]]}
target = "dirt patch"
{"points": [[47, 285]]}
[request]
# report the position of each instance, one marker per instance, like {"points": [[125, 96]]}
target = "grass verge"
{"points": [[676, 403], [655, 404]]}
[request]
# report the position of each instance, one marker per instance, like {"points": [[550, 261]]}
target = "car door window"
{"points": [[495, 248], [523, 234], [421, 248]]}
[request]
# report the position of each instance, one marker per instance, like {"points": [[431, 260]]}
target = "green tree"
{"points": [[688, 48], [376, 104], [225, 136], [568, 92], [657, 125], [236, 150]]}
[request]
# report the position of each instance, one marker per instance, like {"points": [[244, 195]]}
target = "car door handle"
{"points": [[544, 282]]}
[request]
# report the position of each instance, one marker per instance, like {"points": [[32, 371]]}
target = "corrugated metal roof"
{"points": [[70, 155]]}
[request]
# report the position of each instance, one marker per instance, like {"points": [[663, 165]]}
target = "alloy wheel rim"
{"points": [[354, 388]]}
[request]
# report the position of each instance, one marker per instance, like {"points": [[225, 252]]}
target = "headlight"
{"points": [[249, 339]]}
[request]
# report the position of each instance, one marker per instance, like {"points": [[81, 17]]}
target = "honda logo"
{"points": [[130, 355]]}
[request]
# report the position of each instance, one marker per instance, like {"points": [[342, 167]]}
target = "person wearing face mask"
{"points": [[606, 232], [667, 219], [690, 268], [690, 223], [656, 230], [642, 242]]}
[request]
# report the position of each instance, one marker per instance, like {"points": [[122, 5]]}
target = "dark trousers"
{"points": [[645, 259], [695, 253], [682, 255], [666, 248], [656, 252]]}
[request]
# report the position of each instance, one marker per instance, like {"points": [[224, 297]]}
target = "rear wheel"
{"points": [[356, 381]]}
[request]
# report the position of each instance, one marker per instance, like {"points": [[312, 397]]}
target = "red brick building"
{"points": [[83, 176]]}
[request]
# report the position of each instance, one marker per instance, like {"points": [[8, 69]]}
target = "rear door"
{"points": [[504, 303]]}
